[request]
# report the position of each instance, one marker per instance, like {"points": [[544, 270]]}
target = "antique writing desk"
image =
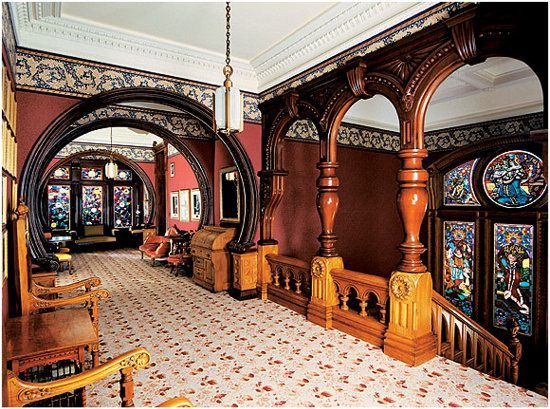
{"points": [[43, 339]]}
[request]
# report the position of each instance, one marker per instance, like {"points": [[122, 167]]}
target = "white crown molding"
{"points": [[39, 26], [334, 31]]}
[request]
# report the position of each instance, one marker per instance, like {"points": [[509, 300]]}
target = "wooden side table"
{"points": [[44, 339]]}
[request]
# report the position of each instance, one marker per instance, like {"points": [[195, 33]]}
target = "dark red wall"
{"points": [[367, 224], [183, 178]]}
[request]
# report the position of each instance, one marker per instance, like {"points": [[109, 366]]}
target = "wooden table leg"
{"points": [[95, 355]]}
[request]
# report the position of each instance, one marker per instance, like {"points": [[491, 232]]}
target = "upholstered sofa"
{"points": [[95, 235]]}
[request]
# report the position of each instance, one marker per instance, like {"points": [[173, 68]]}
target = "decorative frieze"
{"points": [[135, 153], [70, 76], [179, 124], [358, 136]]}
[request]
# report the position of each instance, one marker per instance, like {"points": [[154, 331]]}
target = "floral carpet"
{"points": [[218, 351]]}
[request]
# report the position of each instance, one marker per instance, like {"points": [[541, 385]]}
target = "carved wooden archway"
{"points": [[104, 153], [59, 133]]}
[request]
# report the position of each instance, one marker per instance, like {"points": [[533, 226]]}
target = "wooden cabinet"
{"points": [[211, 260]]}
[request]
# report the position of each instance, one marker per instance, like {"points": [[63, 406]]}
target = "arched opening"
{"points": [[485, 128], [59, 133]]}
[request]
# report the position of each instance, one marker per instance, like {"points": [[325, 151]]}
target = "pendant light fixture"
{"points": [[228, 103], [111, 168]]}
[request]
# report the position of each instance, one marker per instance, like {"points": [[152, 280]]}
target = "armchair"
{"points": [[21, 393]]}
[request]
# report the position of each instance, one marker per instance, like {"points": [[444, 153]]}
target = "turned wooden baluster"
{"points": [[276, 275], [327, 206], [287, 279], [298, 281], [363, 306], [344, 298], [382, 313], [127, 387]]}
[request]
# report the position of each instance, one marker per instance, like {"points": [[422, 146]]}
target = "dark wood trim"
{"points": [[160, 186]]}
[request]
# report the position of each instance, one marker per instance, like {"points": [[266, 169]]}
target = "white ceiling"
{"points": [[495, 89], [121, 136], [270, 42]]}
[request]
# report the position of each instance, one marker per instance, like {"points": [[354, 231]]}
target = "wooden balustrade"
{"points": [[290, 284], [462, 340], [362, 305]]}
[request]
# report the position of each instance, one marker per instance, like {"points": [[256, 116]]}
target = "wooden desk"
{"points": [[43, 339]]}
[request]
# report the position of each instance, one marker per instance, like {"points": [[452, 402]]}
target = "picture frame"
{"points": [[184, 205], [172, 169], [174, 205], [5, 256], [196, 204], [230, 195]]}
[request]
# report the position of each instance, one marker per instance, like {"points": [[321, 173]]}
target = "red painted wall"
{"points": [[367, 224], [35, 112], [183, 178]]}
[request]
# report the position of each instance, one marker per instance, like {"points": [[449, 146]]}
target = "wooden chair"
{"points": [[22, 393], [30, 294]]}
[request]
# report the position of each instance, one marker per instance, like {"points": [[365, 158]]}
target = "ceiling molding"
{"points": [[41, 26]]}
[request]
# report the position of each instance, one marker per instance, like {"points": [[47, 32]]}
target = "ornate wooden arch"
{"points": [[58, 130], [100, 152]]}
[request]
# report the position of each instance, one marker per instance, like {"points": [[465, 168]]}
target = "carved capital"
{"points": [[464, 36], [291, 104], [356, 79]]}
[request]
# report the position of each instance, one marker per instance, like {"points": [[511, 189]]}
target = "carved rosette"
{"points": [[401, 287], [137, 361], [317, 267]]}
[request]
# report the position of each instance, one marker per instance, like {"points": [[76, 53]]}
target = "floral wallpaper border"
{"points": [[40, 71], [364, 137], [135, 153]]}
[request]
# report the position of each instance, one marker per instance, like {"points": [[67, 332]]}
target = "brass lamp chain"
{"points": [[111, 143], [227, 33]]}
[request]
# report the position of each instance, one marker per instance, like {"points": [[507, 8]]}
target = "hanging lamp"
{"points": [[111, 168], [228, 103]]}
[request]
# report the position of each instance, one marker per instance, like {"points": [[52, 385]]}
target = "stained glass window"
{"points": [[458, 268], [59, 207], [124, 174], [122, 202], [458, 185], [62, 173], [514, 179], [145, 206], [92, 205], [513, 268], [92, 173]]}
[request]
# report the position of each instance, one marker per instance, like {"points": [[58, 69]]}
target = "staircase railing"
{"points": [[463, 340], [363, 302]]}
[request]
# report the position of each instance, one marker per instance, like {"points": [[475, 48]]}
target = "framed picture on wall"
{"points": [[196, 204], [172, 168], [174, 205], [184, 205], [5, 258], [230, 195]]}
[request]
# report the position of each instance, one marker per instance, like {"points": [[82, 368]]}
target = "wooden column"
{"points": [[409, 337], [323, 290], [160, 186], [264, 271], [327, 206]]}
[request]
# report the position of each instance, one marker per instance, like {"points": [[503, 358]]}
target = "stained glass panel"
{"points": [[458, 264], [458, 185], [514, 179], [122, 201], [63, 173], [513, 291], [92, 205], [59, 207], [146, 206], [92, 173], [124, 174]]}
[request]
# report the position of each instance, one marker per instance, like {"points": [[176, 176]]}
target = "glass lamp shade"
{"points": [[228, 108], [111, 170]]}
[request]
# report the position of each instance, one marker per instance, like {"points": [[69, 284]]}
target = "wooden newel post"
{"points": [[327, 206], [409, 337], [515, 347]]}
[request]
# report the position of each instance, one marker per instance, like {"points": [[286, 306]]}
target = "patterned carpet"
{"points": [[221, 352]]}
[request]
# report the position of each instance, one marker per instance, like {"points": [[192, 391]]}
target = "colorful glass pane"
{"points": [[458, 264], [59, 207], [146, 206], [124, 174], [513, 291], [122, 201], [458, 185], [63, 173], [92, 205], [514, 179], [92, 173]]}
